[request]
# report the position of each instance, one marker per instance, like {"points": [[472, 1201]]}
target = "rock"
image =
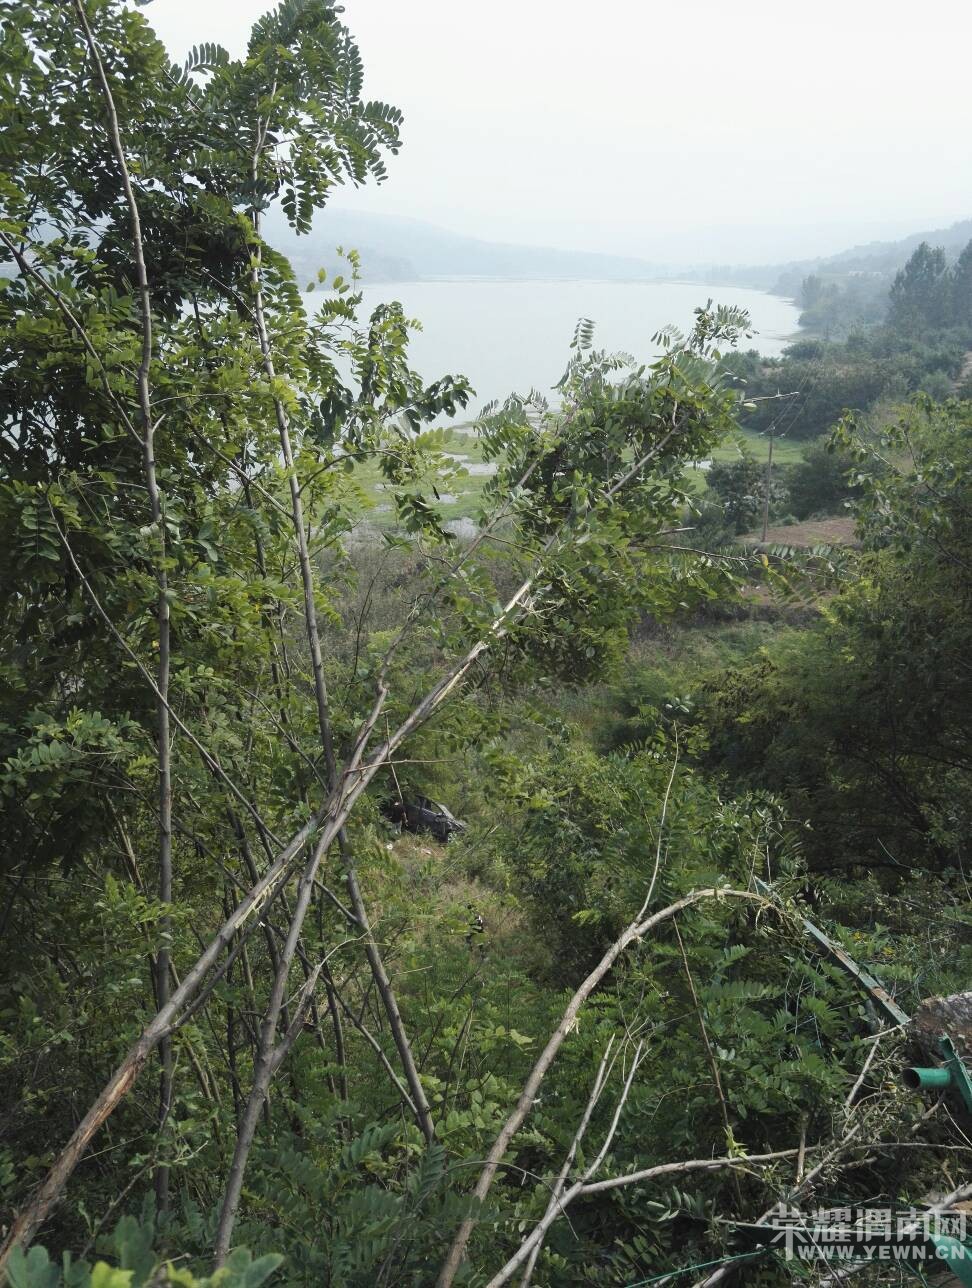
{"points": [[949, 1015]]}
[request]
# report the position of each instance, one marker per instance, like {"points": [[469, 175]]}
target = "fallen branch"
{"points": [[554, 1203], [844, 1146], [635, 931], [559, 1200], [582, 1188]]}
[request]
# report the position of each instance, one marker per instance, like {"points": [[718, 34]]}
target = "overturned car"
{"points": [[420, 814]]}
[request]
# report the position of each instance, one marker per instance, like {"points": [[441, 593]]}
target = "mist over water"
{"points": [[511, 336]]}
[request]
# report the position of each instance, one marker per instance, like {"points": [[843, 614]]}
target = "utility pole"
{"points": [[794, 393], [768, 481]]}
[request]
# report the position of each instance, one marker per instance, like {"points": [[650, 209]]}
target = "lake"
{"points": [[509, 336]]}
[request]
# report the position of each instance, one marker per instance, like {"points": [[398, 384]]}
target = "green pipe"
{"points": [[951, 1075], [926, 1079]]}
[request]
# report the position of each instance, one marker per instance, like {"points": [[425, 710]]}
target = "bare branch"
{"points": [[632, 934], [581, 1189]]}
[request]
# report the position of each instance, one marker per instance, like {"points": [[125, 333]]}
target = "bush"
{"points": [[819, 484]]}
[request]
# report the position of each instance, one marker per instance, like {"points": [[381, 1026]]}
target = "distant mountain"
{"points": [[877, 258], [881, 256], [394, 249]]}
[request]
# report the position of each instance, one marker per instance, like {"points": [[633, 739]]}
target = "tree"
{"points": [[962, 289], [861, 723], [818, 483], [819, 304], [740, 486], [182, 451], [920, 292]]}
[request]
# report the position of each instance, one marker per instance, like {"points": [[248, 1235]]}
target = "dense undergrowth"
{"points": [[248, 1028], [562, 790]]}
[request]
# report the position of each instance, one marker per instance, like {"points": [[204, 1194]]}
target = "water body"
{"points": [[511, 336]]}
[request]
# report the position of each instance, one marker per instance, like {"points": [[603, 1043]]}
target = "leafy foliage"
{"points": [[137, 1266], [861, 720], [578, 545], [820, 482]]}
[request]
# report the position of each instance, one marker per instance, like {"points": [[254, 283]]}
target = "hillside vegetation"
{"points": [[250, 1030]]}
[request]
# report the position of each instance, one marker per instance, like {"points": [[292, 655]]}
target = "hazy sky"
{"points": [[690, 130]]}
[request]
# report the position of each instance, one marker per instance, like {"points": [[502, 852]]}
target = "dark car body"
{"points": [[420, 814]]}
